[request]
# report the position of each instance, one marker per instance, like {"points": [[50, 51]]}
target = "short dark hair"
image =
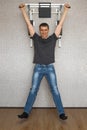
{"points": [[44, 25]]}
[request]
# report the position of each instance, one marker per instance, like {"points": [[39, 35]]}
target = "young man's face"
{"points": [[44, 30]]}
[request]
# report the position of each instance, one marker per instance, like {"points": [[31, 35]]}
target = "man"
{"points": [[44, 49]]}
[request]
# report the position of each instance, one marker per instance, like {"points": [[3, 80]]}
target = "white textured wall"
{"points": [[16, 57]]}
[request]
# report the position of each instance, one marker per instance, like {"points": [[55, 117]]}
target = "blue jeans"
{"points": [[49, 72]]}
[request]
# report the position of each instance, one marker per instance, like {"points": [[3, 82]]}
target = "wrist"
{"points": [[21, 6], [67, 6]]}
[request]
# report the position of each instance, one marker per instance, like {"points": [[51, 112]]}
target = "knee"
{"points": [[33, 90]]}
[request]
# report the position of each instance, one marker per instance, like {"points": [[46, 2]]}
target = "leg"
{"points": [[51, 78], [36, 79]]}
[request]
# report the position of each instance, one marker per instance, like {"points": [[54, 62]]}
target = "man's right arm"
{"points": [[27, 20]]}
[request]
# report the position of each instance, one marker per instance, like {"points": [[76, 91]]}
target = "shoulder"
{"points": [[35, 36], [53, 36]]}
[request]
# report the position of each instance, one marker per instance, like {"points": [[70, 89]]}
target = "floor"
{"points": [[43, 119]]}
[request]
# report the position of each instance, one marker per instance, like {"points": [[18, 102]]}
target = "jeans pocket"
{"points": [[38, 67], [51, 68]]}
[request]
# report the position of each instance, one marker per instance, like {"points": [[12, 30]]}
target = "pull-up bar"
{"points": [[43, 4]]}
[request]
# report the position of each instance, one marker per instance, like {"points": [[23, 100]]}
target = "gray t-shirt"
{"points": [[44, 49]]}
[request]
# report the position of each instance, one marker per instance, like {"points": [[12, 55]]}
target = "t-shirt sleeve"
{"points": [[55, 37], [34, 36]]}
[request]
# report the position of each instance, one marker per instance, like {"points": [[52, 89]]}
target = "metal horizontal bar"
{"points": [[37, 5], [36, 12], [44, 6]]}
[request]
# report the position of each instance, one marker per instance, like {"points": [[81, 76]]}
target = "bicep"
{"points": [[58, 30], [31, 29]]}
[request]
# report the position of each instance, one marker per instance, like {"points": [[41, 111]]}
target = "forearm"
{"points": [[63, 17], [26, 17]]}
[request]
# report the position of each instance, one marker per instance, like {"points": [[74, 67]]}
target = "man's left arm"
{"points": [[59, 26]]}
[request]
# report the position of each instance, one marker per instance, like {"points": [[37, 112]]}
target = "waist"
{"points": [[43, 65]]}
